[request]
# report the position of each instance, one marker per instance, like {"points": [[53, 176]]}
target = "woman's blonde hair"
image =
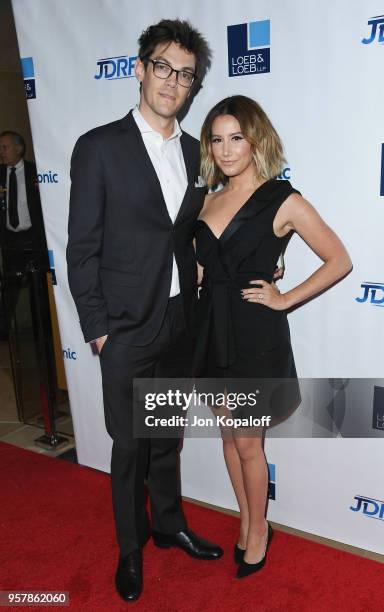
{"points": [[256, 129]]}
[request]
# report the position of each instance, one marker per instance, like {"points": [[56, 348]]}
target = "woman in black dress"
{"points": [[243, 329]]}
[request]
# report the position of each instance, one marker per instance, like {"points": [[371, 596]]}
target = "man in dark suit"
{"points": [[132, 273], [22, 234]]}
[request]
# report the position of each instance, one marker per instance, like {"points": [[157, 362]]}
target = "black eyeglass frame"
{"points": [[172, 70]]}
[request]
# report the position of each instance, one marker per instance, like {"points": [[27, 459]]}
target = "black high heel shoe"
{"points": [[238, 554], [246, 569]]}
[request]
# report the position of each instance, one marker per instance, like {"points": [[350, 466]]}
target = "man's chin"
{"points": [[168, 113], [169, 108]]}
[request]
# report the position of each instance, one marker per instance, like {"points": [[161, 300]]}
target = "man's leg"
{"points": [[128, 466], [169, 527], [132, 459], [120, 364], [164, 463]]}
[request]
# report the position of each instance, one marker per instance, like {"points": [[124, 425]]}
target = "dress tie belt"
{"points": [[223, 322], [218, 319]]}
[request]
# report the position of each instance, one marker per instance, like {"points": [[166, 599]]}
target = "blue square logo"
{"points": [[248, 48], [51, 259], [27, 67], [259, 34]]}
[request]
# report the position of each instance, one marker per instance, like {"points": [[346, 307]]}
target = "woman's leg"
{"points": [[233, 464], [232, 461], [255, 477]]}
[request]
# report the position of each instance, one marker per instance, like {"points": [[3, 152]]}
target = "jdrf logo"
{"points": [[374, 22], [48, 177], [378, 408], [248, 48], [373, 290], [68, 354], [29, 77], [370, 507], [121, 67], [272, 481]]}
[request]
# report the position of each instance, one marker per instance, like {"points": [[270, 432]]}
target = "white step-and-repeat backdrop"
{"points": [[316, 68]]}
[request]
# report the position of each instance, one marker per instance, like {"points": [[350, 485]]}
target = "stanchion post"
{"points": [[45, 356]]}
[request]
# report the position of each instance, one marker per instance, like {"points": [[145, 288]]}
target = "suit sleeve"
{"points": [[85, 237]]}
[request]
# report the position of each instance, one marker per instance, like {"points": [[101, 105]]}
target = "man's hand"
{"points": [[100, 343]]}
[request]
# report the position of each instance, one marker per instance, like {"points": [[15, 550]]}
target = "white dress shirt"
{"points": [[167, 159], [22, 206]]}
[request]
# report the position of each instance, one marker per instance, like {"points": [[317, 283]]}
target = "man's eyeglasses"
{"points": [[162, 70]]}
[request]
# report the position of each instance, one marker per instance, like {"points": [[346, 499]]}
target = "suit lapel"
{"points": [[135, 142], [189, 160], [190, 166]]}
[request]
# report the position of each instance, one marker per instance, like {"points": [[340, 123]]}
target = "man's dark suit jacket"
{"points": [[121, 238], [34, 207]]}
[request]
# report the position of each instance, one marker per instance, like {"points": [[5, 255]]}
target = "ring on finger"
{"points": [[260, 296]]}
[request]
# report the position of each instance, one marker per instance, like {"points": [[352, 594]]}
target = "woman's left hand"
{"points": [[266, 294]]}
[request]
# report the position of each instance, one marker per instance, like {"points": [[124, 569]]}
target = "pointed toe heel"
{"points": [[246, 569], [238, 554]]}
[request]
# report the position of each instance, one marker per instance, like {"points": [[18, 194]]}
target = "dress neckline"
{"points": [[218, 238]]}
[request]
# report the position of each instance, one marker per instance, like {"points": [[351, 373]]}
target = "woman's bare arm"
{"points": [[299, 215]]}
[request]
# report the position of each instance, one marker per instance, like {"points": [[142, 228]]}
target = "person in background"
{"points": [[22, 234]]}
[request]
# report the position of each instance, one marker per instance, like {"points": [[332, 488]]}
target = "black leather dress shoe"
{"points": [[189, 542], [129, 576]]}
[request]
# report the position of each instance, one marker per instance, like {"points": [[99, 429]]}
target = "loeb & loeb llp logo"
{"points": [[369, 506], [52, 266], [28, 70], [119, 67], [373, 291], [249, 48]]}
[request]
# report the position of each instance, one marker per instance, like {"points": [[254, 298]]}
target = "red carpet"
{"points": [[57, 534]]}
